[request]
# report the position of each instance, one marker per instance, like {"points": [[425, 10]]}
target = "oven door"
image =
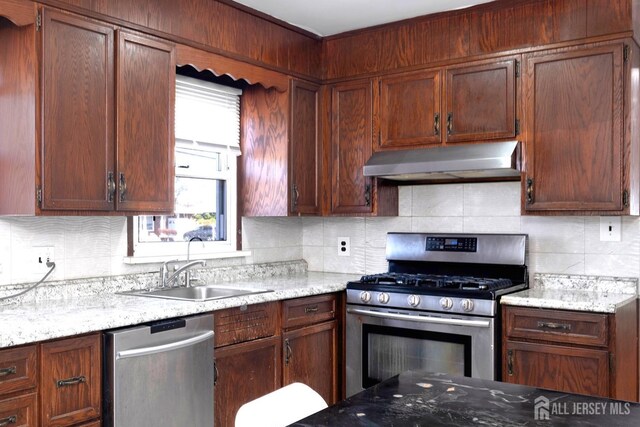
{"points": [[382, 343]]}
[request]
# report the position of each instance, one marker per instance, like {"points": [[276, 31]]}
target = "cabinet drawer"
{"points": [[70, 381], [20, 411], [18, 367], [557, 326], [307, 311], [246, 323]]}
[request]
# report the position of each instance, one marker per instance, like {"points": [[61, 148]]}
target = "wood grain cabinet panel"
{"points": [[574, 110], [480, 101], [572, 351], [145, 136], [19, 411], [351, 146], [409, 110], [18, 369], [245, 372], [310, 357], [70, 380], [562, 368], [309, 310], [305, 149], [77, 112]]}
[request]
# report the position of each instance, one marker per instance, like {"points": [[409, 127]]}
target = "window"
{"points": [[207, 146]]}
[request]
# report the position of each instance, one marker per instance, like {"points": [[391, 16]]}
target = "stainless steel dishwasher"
{"points": [[160, 374]]}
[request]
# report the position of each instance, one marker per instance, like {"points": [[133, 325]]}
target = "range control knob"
{"points": [[413, 300], [446, 303], [383, 297], [365, 296], [466, 304]]}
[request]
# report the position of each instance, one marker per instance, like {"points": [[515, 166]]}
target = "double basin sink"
{"points": [[197, 293]]}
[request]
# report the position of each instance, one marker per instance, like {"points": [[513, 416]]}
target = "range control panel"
{"points": [[452, 244]]}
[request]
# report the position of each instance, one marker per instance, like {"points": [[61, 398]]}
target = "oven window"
{"points": [[388, 351]]}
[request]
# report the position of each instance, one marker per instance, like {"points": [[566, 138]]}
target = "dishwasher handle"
{"points": [[145, 351]]}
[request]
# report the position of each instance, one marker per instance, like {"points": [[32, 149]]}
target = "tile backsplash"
{"points": [[95, 246]]}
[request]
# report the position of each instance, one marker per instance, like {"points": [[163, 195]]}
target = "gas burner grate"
{"points": [[426, 281]]}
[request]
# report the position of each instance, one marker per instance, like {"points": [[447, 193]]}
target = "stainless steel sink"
{"points": [[197, 293]]}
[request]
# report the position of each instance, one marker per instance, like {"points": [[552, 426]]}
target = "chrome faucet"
{"points": [[182, 268], [164, 273], [187, 274]]}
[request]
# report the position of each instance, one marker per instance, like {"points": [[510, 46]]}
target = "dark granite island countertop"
{"points": [[417, 398]]}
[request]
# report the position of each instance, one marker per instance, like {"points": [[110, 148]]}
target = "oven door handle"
{"points": [[422, 319]]}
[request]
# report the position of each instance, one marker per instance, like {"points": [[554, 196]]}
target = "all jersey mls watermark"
{"points": [[543, 409]]}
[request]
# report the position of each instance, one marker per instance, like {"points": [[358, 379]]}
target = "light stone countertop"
{"points": [[32, 321], [578, 293]]}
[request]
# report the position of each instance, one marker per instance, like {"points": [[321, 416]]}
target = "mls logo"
{"points": [[541, 408]]}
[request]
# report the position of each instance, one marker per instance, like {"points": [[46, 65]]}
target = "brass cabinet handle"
{"points": [[9, 420], [71, 381], [449, 123], [7, 371], [510, 362], [529, 191], [123, 188], [311, 309], [367, 194], [111, 186], [436, 124], [288, 352], [554, 326]]}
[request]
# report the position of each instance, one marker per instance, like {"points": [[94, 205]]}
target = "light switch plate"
{"points": [[610, 228]]}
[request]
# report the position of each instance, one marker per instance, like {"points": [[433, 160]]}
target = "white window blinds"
{"points": [[207, 114]]}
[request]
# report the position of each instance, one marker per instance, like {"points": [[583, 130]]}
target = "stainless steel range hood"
{"points": [[451, 162]]}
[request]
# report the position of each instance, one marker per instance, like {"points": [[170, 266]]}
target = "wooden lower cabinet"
{"points": [[576, 352], [562, 368], [19, 411], [70, 380], [244, 372], [310, 357]]}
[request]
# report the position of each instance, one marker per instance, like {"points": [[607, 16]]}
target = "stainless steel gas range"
{"points": [[436, 309]]}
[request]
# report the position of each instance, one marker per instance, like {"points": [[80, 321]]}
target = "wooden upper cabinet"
{"points": [[145, 124], [70, 381], [77, 112], [409, 110], [305, 149], [574, 110], [351, 147], [480, 101], [351, 135]]}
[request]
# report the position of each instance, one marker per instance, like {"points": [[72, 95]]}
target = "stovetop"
{"points": [[422, 282]]}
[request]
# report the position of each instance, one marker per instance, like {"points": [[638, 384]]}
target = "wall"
{"points": [[95, 246], [569, 244]]}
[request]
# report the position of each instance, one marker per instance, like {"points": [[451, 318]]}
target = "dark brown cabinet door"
{"points": [[70, 381], [19, 411], [480, 102], [556, 367], [310, 357], [351, 147], [574, 127], [304, 149], [145, 123], [77, 138], [409, 110], [244, 372]]}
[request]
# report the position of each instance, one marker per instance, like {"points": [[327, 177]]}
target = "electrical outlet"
{"points": [[42, 255], [344, 246], [610, 228]]}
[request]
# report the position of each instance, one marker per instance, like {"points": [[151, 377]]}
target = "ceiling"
{"points": [[328, 17]]}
